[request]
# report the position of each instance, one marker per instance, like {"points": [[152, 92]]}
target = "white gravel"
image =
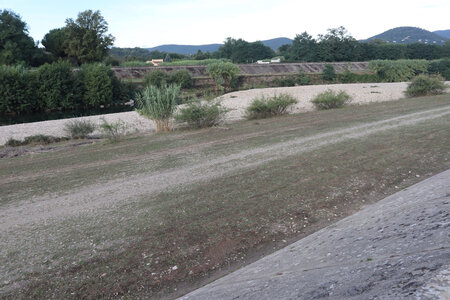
{"points": [[236, 102]]}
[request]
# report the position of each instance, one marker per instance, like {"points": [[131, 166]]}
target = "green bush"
{"points": [[350, 77], [158, 104], [330, 99], [302, 78], [156, 78], [441, 67], [181, 77], [114, 132], [424, 85], [223, 74], [18, 90], [267, 107], [285, 82], [200, 114], [98, 85], [328, 73], [58, 86], [398, 70], [79, 129]]}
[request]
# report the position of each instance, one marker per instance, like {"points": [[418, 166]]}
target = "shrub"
{"points": [[302, 78], [423, 85], [328, 73], [181, 77], [58, 87], [156, 78], [398, 70], [285, 82], [98, 85], [79, 129], [267, 107], [441, 67], [34, 139], [158, 104], [331, 99], [114, 132], [18, 90], [223, 73], [201, 114]]}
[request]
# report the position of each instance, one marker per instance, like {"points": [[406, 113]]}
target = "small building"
{"points": [[156, 62]]}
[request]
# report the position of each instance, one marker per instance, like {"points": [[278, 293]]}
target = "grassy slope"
{"points": [[132, 248]]}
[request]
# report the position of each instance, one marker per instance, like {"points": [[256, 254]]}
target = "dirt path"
{"points": [[91, 198]]}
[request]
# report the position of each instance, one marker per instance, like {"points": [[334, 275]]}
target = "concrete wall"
{"points": [[248, 69]]}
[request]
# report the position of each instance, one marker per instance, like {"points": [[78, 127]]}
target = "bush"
{"points": [[156, 78], [223, 74], [158, 104], [98, 85], [350, 77], [267, 107], [398, 70], [302, 78], [58, 86], [114, 132], [328, 73], [79, 129], [201, 114], [441, 67], [181, 77], [285, 82], [330, 99], [423, 85], [34, 139], [18, 90]]}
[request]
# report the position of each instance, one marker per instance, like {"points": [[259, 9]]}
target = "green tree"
{"points": [[240, 51], [87, 38], [54, 42], [223, 74], [337, 45], [98, 85], [15, 44], [303, 48]]}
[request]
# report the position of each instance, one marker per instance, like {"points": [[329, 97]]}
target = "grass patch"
{"points": [[198, 114], [331, 99], [268, 107], [39, 139], [79, 129]]}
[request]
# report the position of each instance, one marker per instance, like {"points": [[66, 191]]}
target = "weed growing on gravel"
{"points": [[200, 114], [114, 132], [268, 107], [79, 129], [331, 99], [34, 139], [424, 85]]}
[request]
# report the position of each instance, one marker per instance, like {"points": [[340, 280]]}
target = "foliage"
{"points": [[289, 81], [190, 62], [331, 99], [302, 79], [399, 70], [223, 73], [115, 131], [16, 46], [424, 85], [59, 87], [54, 42], [328, 73], [441, 67], [79, 129], [135, 63], [87, 38], [350, 77], [240, 51], [17, 90], [157, 78], [158, 104], [200, 114], [98, 85], [181, 77], [267, 107], [34, 139]]}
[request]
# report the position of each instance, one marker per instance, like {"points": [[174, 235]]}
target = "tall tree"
{"points": [[87, 38], [337, 45], [303, 48], [16, 46], [54, 42]]}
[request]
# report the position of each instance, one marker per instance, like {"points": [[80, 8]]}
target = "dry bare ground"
{"points": [[139, 216]]}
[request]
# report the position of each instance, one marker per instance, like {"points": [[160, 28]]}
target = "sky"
{"points": [[137, 23]]}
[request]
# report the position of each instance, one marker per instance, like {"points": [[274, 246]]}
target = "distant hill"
{"points": [[408, 35], [443, 33], [192, 49]]}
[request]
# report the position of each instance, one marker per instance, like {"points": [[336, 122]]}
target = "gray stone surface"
{"points": [[398, 248]]}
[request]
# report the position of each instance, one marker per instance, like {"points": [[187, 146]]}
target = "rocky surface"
{"points": [[398, 248]]}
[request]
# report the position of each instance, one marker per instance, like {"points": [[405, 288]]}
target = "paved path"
{"points": [[398, 248]]}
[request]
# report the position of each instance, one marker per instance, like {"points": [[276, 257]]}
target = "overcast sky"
{"points": [[137, 23]]}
